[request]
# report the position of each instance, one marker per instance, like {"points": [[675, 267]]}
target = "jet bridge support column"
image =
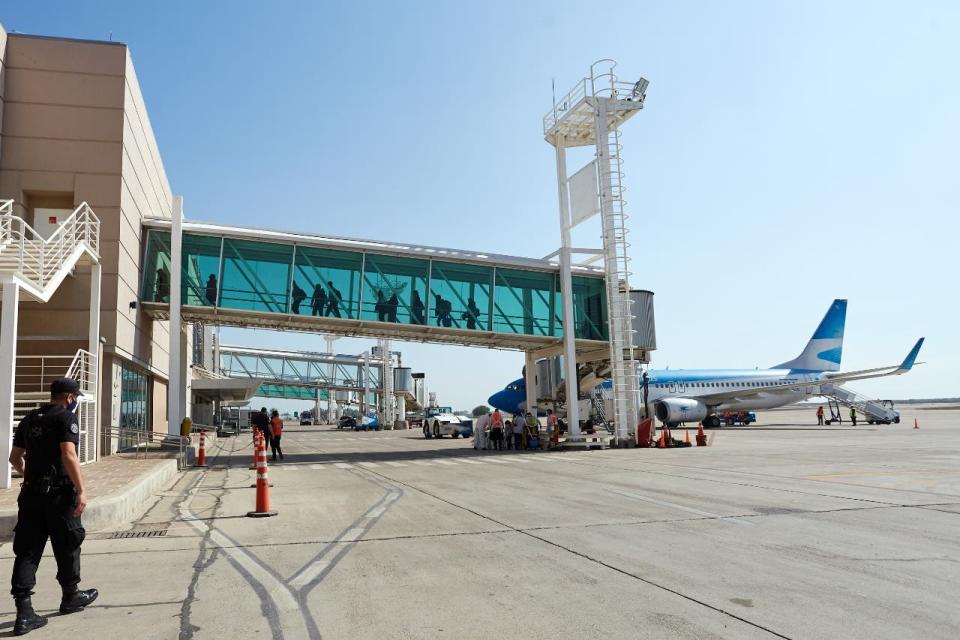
{"points": [[530, 377]]}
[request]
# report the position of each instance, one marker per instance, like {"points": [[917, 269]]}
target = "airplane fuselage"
{"points": [[760, 387]]}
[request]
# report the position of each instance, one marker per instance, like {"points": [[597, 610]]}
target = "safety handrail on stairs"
{"points": [[39, 259], [35, 373]]}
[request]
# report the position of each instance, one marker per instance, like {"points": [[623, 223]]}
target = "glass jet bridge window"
{"points": [[256, 276], [460, 295], [395, 289], [328, 282]]}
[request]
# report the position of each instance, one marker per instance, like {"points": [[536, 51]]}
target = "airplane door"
{"points": [[681, 387], [672, 388]]}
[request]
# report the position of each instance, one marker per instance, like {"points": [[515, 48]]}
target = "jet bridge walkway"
{"points": [[235, 276], [301, 374]]}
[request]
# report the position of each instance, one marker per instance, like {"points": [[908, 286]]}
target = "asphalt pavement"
{"points": [[781, 530]]}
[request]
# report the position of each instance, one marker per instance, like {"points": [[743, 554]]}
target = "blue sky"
{"points": [[789, 153]]}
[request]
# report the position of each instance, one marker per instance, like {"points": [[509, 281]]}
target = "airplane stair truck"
{"points": [[876, 411]]}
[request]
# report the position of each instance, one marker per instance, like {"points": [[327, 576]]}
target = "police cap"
{"points": [[65, 385]]}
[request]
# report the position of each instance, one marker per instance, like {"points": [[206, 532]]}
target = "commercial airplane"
{"points": [[695, 395]]}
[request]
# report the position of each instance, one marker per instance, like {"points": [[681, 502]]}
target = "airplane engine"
{"points": [[676, 410]]}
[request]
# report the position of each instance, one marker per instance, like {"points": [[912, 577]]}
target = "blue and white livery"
{"points": [[699, 395]]}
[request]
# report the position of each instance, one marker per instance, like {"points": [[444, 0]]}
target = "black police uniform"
{"points": [[47, 501]]}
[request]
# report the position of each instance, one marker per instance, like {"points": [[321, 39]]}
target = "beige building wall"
{"points": [[75, 128]]}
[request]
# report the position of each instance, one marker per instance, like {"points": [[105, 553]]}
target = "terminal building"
{"points": [[90, 231]]}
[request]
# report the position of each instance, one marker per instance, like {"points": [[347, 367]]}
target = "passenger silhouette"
{"points": [[212, 290], [443, 311], [393, 305], [333, 300], [319, 301], [472, 314], [416, 308], [163, 285], [381, 307], [298, 295]]}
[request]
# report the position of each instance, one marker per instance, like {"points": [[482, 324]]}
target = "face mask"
{"points": [[72, 407]]}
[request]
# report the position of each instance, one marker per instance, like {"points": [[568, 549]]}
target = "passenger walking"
{"points": [[480, 432], [496, 435], [853, 415], [297, 295], [381, 307], [163, 285], [472, 314], [496, 419], [260, 421], [820, 416], [518, 427], [276, 430], [50, 503], [507, 435], [211, 292], [333, 300], [393, 305], [553, 430], [416, 308], [442, 311], [319, 301]]}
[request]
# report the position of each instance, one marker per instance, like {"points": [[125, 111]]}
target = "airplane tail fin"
{"points": [[823, 351]]}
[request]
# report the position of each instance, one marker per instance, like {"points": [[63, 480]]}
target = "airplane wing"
{"points": [[829, 380]]}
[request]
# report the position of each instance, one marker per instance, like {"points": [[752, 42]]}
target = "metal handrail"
{"points": [[140, 441], [39, 258], [43, 369]]}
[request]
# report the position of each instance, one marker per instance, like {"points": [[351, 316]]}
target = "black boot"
{"points": [[27, 618], [76, 601]]}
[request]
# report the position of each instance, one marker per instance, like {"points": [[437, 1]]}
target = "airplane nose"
{"points": [[496, 400]]}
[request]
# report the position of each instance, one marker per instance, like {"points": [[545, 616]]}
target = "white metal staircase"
{"points": [[35, 267], [873, 410], [33, 377], [40, 264]]}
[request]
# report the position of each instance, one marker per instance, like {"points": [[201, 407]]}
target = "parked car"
{"points": [[347, 422]]}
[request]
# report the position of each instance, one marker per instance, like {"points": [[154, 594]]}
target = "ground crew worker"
{"points": [[51, 502], [276, 430], [820, 416], [853, 415]]}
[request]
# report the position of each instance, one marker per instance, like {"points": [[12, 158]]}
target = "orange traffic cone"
{"points": [[263, 487], [686, 437], [661, 444], [202, 452], [256, 445], [916, 425], [701, 436]]}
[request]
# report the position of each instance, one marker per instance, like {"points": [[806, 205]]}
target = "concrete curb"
{"points": [[116, 508]]}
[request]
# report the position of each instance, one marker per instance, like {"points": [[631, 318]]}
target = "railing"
{"points": [[142, 443], [35, 373], [38, 258], [599, 84]]}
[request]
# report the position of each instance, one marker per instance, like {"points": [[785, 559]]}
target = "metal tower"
{"points": [[591, 114]]}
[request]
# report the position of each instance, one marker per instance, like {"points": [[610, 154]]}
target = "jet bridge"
{"points": [[233, 276]]}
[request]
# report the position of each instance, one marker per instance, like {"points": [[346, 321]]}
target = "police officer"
{"points": [[51, 501]]}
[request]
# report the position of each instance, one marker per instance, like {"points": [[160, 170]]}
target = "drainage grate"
{"points": [[156, 533]]}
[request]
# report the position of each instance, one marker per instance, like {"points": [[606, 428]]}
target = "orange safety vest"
{"points": [[277, 425]]}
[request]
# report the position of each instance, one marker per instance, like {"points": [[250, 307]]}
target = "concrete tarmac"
{"points": [[781, 530]]}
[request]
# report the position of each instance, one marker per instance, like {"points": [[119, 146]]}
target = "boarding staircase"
{"points": [[874, 410], [39, 266]]}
